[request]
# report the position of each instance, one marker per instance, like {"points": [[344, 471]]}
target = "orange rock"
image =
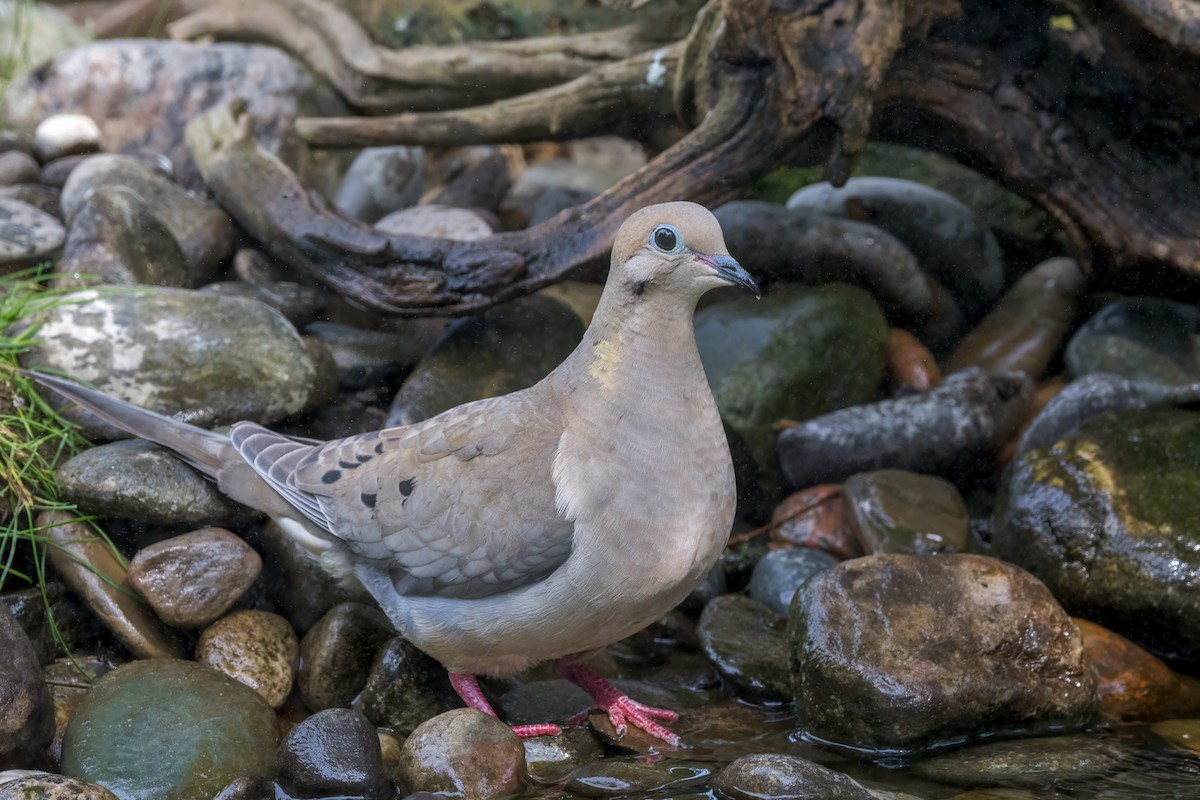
{"points": [[910, 363], [1133, 684], [817, 517]]}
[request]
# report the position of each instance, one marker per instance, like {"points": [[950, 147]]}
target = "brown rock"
{"points": [[463, 752], [817, 517], [1133, 684], [26, 712], [256, 648]]}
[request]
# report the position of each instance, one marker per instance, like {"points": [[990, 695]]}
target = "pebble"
{"points": [[191, 580], [27, 236], [550, 759], [748, 645], [1147, 340], [779, 573], [615, 778], [33, 785], [463, 752], [469, 177], [336, 655], [333, 753], [43, 198], [1133, 684], [443, 222], [70, 679], [41, 609], [896, 511], [256, 648], [300, 304], [381, 180], [61, 135], [17, 167], [366, 358], [762, 775], [404, 688], [26, 710], [818, 518], [304, 591], [1032, 762], [56, 173]]}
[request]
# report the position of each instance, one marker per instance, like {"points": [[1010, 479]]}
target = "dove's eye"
{"points": [[666, 239]]}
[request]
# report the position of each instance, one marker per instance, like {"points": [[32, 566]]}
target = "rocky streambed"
{"points": [[966, 560]]}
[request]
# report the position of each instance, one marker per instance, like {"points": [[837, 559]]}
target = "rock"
{"points": [[115, 238], [1182, 733], [256, 648], [333, 753], [381, 180], [143, 92], [551, 202], [70, 679], [954, 430], [193, 579], [505, 349], [89, 565], [220, 359], [367, 358], [550, 759], [1134, 685], [780, 573], [1033, 763], [613, 778], [162, 728], [248, 788], [42, 30], [56, 173], [1081, 399], [404, 688], [27, 236], [337, 653], [776, 775], [469, 177], [898, 653], [26, 711], [43, 198], [299, 303], [61, 135], [941, 231], [1107, 518], [136, 479], [464, 752], [713, 584], [819, 518], [1147, 340], [304, 590], [203, 231], [795, 354], [747, 644], [39, 610], [17, 167], [444, 222], [1025, 330], [902, 512], [48, 786]]}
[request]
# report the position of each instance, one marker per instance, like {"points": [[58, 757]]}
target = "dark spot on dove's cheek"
{"points": [[368, 500], [332, 476], [407, 486], [640, 288], [379, 448]]}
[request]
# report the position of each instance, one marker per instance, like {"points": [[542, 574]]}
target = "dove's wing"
{"points": [[460, 505]]}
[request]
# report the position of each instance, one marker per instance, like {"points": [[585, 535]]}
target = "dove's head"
{"points": [[676, 248]]}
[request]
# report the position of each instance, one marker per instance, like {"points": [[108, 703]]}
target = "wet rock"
{"points": [[550, 759], [138, 480], [713, 584], [470, 177], [819, 518], [1025, 330], [337, 653], [464, 752], [43, 32], [1147, 340], [143, 92], [305, 590], [795, 354], [164, 728], [1083, 398], [911, 366], [776, 775], [903, 512], [29, 608], [505, 349], [614, 778], [27, 236], [248, 789], [786, 244], [1107, 518], [1134, 685], [43, 198], [300, 304], [26, 785], [193, 579], [17, 167], [115, 238], [70, 679], [557, 699], [256, 648], [219, 359], [333, 753], [381, 180], [954, 430], [444, 222], [203, 231], [780, 573], [941, 231], [1183, 733], [60, 135], [404, 688], [26, 711], [56, 173], [747, 644], [92, 569], [899, 653], [1033, 763], [364, 357]]}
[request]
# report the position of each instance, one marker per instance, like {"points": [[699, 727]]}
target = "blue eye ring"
{"points": [[666, 239]]}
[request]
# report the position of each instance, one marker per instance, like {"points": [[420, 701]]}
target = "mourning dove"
{"points": [[532, 526]]}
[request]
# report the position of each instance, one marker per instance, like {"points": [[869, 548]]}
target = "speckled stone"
{"points": [[465, 752], [256, 648], [34, 785], [27, 235]]}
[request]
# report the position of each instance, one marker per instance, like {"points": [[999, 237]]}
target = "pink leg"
{"points": [[468, 689], [618, 705]]}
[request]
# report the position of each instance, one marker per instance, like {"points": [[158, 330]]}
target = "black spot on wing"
{"points": [[332, 476], [407, 486], [364, 457], [349, 464], [368, 499]]}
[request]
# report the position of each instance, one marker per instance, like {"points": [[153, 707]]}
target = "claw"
{"points": [[620, 707]]}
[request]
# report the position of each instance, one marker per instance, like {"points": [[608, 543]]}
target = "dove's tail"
{"points": [[207, 451]]}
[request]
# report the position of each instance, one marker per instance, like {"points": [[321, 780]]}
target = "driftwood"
{"points": [[1086, 110]]}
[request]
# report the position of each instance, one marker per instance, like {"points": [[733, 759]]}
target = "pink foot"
{"points": [[468, 689], [620, 707]]}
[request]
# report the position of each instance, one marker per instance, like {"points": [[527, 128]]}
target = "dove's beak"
{"points": [[728, 269]]}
